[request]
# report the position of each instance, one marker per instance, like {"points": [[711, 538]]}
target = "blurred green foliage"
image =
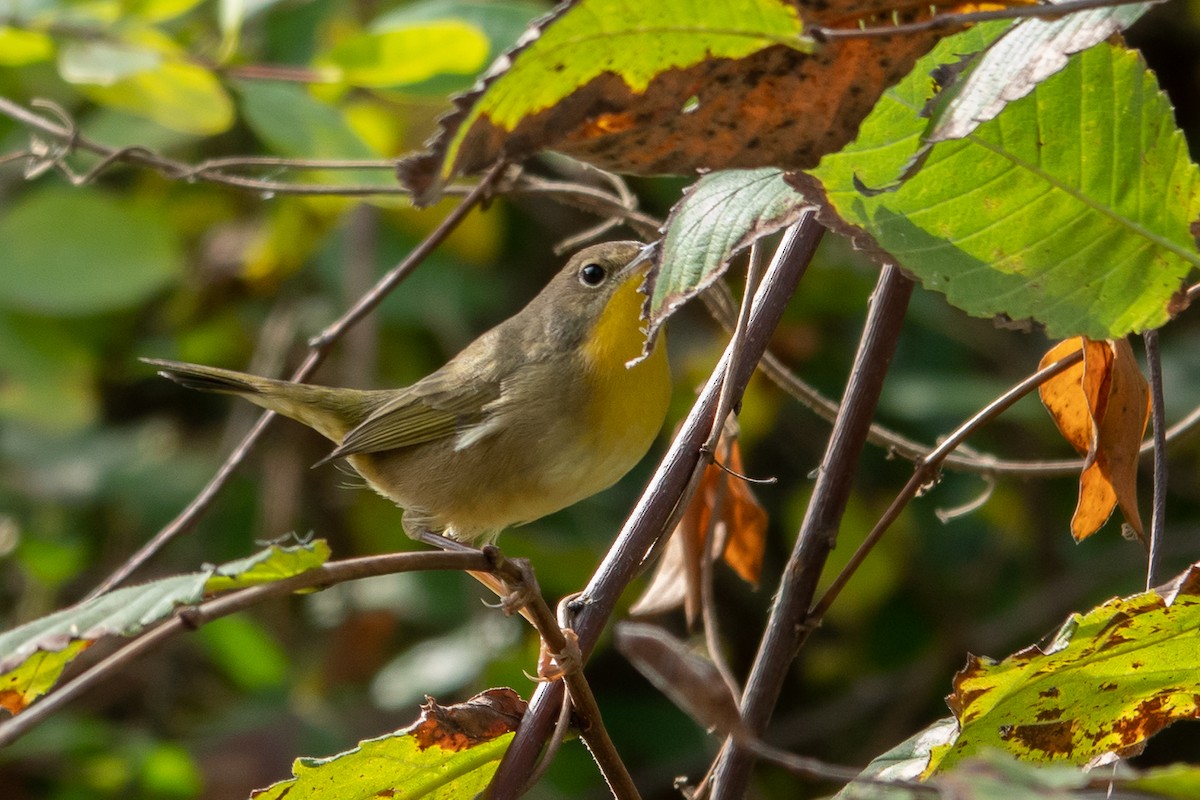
{"points": [[96, 453]]}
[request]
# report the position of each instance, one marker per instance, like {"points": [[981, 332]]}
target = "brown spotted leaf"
{"points": [[739, 536], [1110, 679], [450, 751], [673, 86], [1101, 406]]}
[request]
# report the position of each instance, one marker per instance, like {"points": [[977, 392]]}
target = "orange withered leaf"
{"points": [[739, 536], [1101, 406]]}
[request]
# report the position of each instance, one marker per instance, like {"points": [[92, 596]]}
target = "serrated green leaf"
{"points": [[1111, 678], [116, 254], [721, 214], [1053, 211], [405, 55], [448, 752], [19, 47], [33, 655]]}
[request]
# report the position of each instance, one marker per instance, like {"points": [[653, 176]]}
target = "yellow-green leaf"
{"points": [[177, 95], [1109, 680], [408, 54], [19, 47], [450, 751]]}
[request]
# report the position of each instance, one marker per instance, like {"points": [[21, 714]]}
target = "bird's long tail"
{"points": [[331, 412]]}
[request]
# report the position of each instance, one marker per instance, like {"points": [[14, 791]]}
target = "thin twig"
{"points": [[720, 304], [785, 626], [519, 576], [194, 616], [63, 129], [318, 350], [939, 22], [645, 524], [926, 471], [708, 600], [1158, 425]]}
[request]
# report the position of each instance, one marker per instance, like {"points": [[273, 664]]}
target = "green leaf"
{"points": [[153, 78], [159, 10], [19, 47], [103, 62], [1109, 680], [293, 124], [904, 762], [501, 22], [1177, 781], [720, 215], [246, 653], [180, 96], [267, 566], [49, 377], [448, 752], [33, 655], [409, 54], [81, 252], [1053, 211]]}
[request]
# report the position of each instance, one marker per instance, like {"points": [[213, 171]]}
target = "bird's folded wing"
{"points": [[430, 409]]}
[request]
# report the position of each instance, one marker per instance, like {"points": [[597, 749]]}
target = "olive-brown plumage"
{"points": [[534, 415]]}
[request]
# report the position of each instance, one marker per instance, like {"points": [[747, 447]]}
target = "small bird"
{"points": [[534, 415]]}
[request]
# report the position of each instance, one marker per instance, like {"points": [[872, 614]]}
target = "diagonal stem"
{"points": [[786, 625]]}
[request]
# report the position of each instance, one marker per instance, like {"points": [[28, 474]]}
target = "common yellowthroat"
{"points": [[534, 415]]}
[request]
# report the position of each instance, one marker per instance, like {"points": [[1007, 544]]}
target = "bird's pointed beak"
{"points": [[641, 263]]}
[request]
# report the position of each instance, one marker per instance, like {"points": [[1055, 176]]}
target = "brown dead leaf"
{"points": [[458, 727], [739, 534], [691, 681], [1101, 407]]}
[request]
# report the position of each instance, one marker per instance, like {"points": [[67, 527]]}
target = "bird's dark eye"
{"points": [[592, 274]]}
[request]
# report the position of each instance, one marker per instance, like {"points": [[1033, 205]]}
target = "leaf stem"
{"points": [[1158, 433]]}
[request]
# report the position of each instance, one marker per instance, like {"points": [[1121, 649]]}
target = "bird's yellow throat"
{"points": [[627, 404]]}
